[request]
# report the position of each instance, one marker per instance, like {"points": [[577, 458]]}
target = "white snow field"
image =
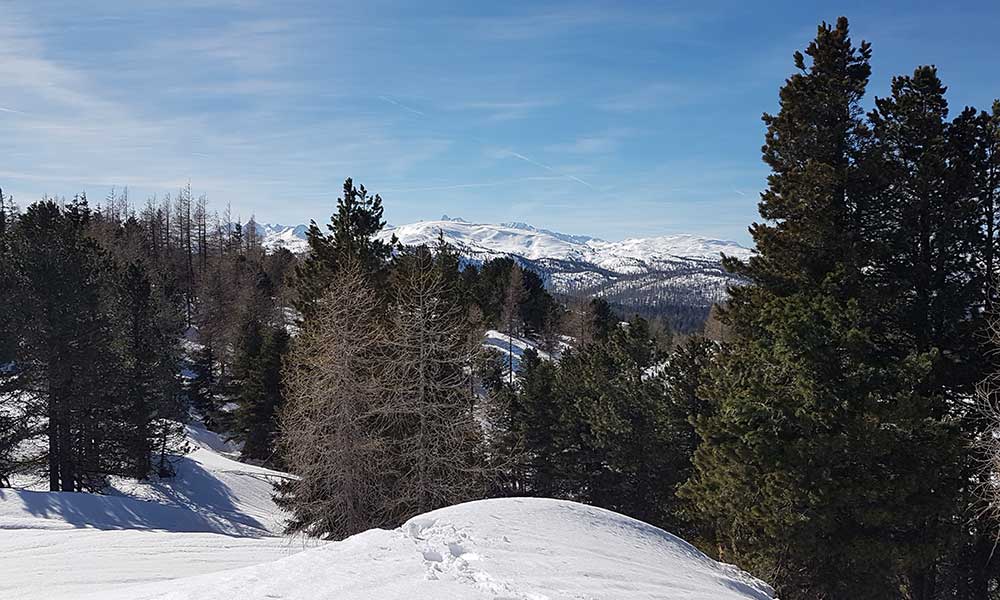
{"points": [[216, 514], [211, 534], [510, 549]]}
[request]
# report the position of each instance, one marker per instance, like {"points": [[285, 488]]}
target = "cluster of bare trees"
{"points": [[379, 423], [988, 394]]}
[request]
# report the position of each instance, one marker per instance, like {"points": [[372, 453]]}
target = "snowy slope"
{"points": [[216, 514], [511, 548], [485, 240], [676, 275], [292, 237], [211, 533]]}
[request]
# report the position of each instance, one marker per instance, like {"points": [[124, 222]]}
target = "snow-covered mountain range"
{"points": [[675, 275], [292, 237]]}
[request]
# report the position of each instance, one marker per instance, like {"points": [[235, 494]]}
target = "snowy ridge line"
{"points": [[679, 275], [526, 241]]}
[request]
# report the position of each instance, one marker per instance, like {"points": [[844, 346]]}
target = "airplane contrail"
{"points": [[548, 168], [401, 105], [510, 152]]}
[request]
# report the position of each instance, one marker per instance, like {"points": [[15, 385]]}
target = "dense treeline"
{"points": [[835, 456], [124, 320], [826, 441], [91, 347], [100, 301]]}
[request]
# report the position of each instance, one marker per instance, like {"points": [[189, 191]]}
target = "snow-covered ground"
{"points": [[212, 533], [516, 346], [511, 548], [216, 514]]}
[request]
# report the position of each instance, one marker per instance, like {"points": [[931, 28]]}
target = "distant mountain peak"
{"points": [[453, 219]]}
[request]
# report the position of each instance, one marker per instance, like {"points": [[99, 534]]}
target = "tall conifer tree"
{"points": [[351, 239], [785, 470]]}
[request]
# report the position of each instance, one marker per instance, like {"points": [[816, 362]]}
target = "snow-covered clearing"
{"points": [[508, 345], [216, 514], [211, 533]]}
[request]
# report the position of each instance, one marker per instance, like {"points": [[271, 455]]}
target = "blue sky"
{"points": [[615, 119]]}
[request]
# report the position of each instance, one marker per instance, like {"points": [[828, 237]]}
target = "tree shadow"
{"points": [[197, 501]]}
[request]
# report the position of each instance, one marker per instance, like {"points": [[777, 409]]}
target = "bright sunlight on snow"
{"points": [[216, 516]]}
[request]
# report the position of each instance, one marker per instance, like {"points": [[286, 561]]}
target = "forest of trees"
{"points": [[123, 322], [836, 456], [830, 442]]}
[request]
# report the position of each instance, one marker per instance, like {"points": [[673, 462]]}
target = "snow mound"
{"points": [[511, 548]]}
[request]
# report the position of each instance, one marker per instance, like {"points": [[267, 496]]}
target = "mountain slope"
{"points": [[292, 237], [675, 276]]}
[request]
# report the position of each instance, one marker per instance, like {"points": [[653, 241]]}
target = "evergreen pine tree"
{"points": [[931, 299], [146, 338], [260, 398], [351, 239], [64, 342], [790, 471], [8, 218], [533, 426], [202, 389], [602, 319]]}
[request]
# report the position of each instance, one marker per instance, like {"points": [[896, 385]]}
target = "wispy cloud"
{"points": [[605, 142], [650, 96], [576, 17], [250, 45], [272, 106], [246, 153]]}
